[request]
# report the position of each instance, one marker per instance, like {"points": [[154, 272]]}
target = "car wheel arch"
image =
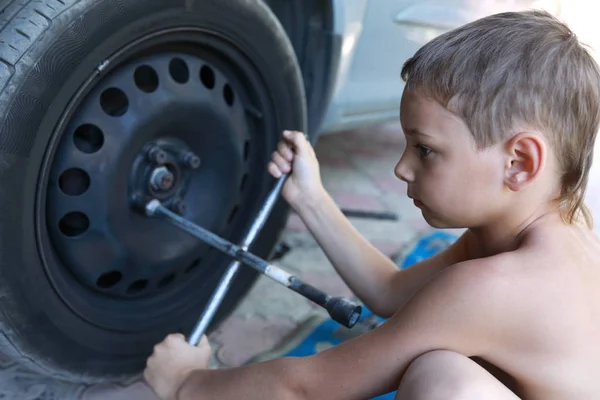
{"points": [[309, 26]]}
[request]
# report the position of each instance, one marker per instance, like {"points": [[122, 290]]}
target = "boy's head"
{"points": [[528, 94]]}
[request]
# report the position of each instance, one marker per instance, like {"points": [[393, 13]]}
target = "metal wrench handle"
{"points": [[227, 279], [340, 309]]}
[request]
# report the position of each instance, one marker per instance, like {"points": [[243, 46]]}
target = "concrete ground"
{"points": [[357, 169]]}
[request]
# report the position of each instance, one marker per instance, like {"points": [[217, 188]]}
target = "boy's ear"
{"points": [[525, 157]]}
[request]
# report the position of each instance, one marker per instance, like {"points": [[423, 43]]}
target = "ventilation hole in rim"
{"points": [[74, 224], [166, 280], [233, 214], [194, 265], [243, 183], [146, 78], [137, 286], [228, 94], [207, 76], [74, 182], [179, 70], [109, 279], [114, 102], [246, 150], [88, 138]]}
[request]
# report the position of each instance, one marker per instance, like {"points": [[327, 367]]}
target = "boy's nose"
{"points": [[403, 171]]}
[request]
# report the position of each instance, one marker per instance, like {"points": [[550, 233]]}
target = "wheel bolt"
{"points": [[178, 206], [157, 155], [191, 160], [137, 201], [162, 178]]}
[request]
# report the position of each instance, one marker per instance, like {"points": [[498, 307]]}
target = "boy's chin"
{"points": [[439, 222]]}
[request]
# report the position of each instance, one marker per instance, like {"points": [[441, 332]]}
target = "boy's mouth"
{"points": [[415, 201]]}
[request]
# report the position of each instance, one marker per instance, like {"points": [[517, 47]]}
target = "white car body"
{"points": [[378, 36]]}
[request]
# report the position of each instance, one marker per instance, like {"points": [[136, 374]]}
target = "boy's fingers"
{"points": [[281, 163], [285, 151], [176, 337], [299, 139], [273, 170], [204, 342]]}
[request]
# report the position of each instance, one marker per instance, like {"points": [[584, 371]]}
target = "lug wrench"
{"points": [[227, 279], [340, 309]]}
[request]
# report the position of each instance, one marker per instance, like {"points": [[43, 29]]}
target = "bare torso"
{"points": [[554, 289]]}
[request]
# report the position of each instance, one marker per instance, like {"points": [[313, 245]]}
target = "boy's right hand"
{"points": [[296, 156]]}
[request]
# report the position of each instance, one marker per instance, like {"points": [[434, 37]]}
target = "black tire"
{"points": [[54, 56]]}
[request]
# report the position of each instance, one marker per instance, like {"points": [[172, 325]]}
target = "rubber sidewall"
{"points": [[34, 319]]}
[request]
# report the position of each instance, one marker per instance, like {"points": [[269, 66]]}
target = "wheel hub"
{"points": [[161, 179], [142, 133], [162, 170]]}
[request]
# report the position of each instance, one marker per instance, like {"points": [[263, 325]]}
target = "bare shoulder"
{"points": [[554, 270], [458, 309], [484, 277]]}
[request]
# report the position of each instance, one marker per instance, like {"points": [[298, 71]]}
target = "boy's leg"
{"points": [[445, 375]]}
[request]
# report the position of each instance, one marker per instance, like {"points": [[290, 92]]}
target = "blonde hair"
{"points": [[519, 69]]}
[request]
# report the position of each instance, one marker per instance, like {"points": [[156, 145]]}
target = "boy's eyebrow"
{"points": [[413, 131]]}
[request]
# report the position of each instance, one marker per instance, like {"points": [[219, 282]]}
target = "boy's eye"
{"points": [[424, 150]]}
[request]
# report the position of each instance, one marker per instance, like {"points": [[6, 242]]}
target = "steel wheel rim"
{"points": [[254, 102]]}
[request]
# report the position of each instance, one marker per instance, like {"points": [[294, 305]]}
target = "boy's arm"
{"points": [[406, 282], [371, 275], [461, 310]]}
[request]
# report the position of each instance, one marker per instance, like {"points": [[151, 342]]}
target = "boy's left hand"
{"points": [[172, 362]]}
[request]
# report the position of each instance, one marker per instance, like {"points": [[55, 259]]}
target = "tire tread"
{"points": [[22, 23]]}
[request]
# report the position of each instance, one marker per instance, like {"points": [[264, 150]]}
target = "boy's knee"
{"points": [[434, 376]]}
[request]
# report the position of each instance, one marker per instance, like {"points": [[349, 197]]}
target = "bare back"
{"points": [[553, 288]]}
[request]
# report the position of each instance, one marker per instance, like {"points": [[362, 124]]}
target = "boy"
{"points": [[500, 118]]}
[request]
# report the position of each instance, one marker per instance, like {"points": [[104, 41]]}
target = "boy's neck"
{"points": [[506, 232]]}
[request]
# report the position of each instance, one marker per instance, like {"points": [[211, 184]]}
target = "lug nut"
{"points": [[178, 206], [191, 160], [138, 200], [157, 155], [162, 178]]}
